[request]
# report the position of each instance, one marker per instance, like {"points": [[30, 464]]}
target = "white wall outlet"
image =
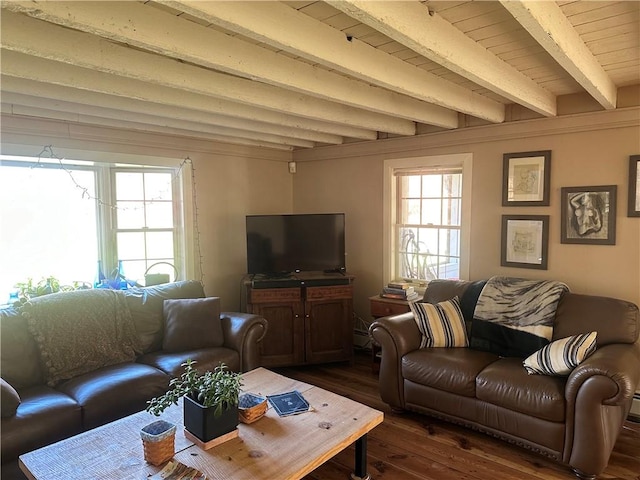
{"points": [[292, 167]]}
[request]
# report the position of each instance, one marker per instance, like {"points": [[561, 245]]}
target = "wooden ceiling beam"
{"points": [[12, 117], [86, 102], [413, 25], [21, 66], [27, 105], [552, 30], [279, 25], [174, 38]]}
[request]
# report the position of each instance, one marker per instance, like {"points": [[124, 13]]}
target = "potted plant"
{"points": [[210, 400], [31, 289]]}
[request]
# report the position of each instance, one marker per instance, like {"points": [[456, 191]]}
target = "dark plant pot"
{"points": [[202, 423]]}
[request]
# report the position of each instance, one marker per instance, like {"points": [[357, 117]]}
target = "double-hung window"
{"points": [[427, 204], [59, 218], [145, 219]]}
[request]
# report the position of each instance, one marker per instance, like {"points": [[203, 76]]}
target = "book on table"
{"points": [[412, 297], [399, 291], [400, 285], [289, 403]]}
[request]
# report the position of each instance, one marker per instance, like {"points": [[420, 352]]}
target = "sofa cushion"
{"points": [[80, 331], [441, 324], [146, 305], [192, 323], [468, 292], [585, 313], [450, 369], [44, 416], [505, 383], [206, 359], [562, 355], [9, 399], [19, 355], [115, 391]]}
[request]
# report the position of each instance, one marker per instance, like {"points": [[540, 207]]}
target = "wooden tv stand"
{"points": [[310, 317]]}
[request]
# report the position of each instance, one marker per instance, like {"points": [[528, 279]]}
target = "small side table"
{"points": [[383, 307]]}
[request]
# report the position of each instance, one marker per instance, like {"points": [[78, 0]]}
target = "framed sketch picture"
{"points": [[525, 178], [634, 186], [588, 215], [525, 241]]}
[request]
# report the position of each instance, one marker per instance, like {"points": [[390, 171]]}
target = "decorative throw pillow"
{"points": [[441, 324], [561, 356], [9, 399], [192, 323]]}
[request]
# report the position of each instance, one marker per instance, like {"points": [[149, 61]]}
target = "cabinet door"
{"points": [[284, 342], [328, 324]]}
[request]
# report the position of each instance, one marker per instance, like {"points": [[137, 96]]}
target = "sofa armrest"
{"points": [[9, 399], [242, 332], [599, 393], [397, 335], [617, 362]]}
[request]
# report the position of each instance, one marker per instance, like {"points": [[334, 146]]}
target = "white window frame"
{"points": [[187, 260], [464, 160]]}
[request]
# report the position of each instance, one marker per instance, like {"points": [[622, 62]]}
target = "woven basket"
{"points": [[158, 441], [251, 407]]}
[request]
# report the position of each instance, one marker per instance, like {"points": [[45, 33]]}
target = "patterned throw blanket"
{"points": [[514, 317], [81, 331]]}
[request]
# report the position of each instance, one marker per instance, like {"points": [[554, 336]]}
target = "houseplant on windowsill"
{"points": [[210, 400]]}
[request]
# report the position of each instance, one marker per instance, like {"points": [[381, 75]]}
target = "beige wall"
{"points": [[587, 149], [231, 182]]}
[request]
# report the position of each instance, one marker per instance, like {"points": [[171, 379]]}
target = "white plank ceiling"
{"points": [[301, 74]]}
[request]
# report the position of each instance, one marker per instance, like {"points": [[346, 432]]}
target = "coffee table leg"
{"points": [[360, 472]]}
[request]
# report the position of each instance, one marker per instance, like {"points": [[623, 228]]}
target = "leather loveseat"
{"points": [[168, 325], [574, 419]]}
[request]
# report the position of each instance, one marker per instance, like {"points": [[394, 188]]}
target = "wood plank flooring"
{"points": [[417, 447]]}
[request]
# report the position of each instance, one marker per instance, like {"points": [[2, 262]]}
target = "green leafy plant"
{"points": [[30, 289], [218, 389]]}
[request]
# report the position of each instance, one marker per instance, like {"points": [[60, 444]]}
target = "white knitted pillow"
{"points": [[561, 356], [441, 325]]}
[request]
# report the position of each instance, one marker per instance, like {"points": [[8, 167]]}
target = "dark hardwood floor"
{"points": [[417, 447]]}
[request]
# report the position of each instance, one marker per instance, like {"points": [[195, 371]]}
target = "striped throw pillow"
{"points": [[441, 325], [561, 356]]}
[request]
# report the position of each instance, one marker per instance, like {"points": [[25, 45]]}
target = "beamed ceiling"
{"points": [[301, 74]]}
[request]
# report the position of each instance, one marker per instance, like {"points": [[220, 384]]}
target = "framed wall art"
{"points": [[634, 186], [525, 178], [525, 241], [588, 215]]}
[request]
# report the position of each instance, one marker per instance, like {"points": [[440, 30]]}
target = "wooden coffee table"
{"points": [[272, 448]]}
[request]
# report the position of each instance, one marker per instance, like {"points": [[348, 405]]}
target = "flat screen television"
{"points": [[281, 244]]}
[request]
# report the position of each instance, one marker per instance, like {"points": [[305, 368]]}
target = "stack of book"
{"points": [[400, 291]]}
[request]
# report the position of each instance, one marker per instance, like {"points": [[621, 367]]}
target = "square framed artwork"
{"points": [[525, 241], [634, 186], [588, 215], [525, 178]]}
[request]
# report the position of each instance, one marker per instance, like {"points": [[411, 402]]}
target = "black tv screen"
{"points": [[279, 244]]}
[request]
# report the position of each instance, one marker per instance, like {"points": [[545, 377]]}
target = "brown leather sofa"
{"points": [[575, 420], [35, 414]]}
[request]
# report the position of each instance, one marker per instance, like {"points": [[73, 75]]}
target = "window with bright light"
{"points": [[60, 218], [428, 224], [145, 231], [47, 228], [427, 213]]}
